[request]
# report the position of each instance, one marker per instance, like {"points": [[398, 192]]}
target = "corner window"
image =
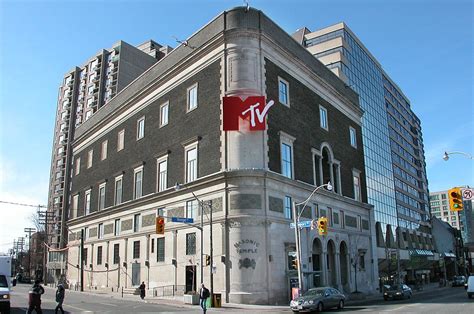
{"points": [[90, 155], [136, 222], [101, 231], [78, 166], [191, 209], [75, 205], [323, 118], [286, 152], [162, 173], [118, 190], [352, 134], [120, 140], [136, 249], [102, 196], [99, 255], [103, 153], [116, 253], [160, 249], [164, 109], [191, 162], [287, 210], [138, 182], [191, 243], [140, 128], [117, 228], [283, 92], [357, 188], [87, 202], [192, 97]]}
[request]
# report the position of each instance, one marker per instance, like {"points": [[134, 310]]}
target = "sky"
{"points": [[426, 47]]}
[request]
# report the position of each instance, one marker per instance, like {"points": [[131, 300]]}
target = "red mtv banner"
{"points": [[253, 108]]}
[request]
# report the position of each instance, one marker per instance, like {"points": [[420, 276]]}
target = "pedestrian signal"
{"points": [[160, 225], [208, 260], [294, 263], [323, 226], [455, 199]]}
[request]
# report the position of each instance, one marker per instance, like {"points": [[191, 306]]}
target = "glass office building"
{"points": [[393, 144]]}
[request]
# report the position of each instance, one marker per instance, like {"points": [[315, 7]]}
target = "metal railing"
{"points": [[168, 291]]}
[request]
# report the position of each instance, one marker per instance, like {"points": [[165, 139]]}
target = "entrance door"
{"points": [[190, 278], [135, 274]]}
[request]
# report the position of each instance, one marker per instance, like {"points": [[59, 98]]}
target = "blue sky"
{"points": [[425, 46]]}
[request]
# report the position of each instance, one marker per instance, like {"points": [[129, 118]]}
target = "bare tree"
{"points": [[36, 220], [357, 252]]}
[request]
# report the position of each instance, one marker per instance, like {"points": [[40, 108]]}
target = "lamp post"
{"points": [[296, 219], [446, 155]]}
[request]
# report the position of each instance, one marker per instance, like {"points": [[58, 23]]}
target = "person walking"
{"points": [[60, 298], [203, 295], [35, 298], [142, 290]]}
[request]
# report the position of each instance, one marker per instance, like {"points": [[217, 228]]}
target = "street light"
{"points": [[296, 219], [446, 155], [178, 187]]}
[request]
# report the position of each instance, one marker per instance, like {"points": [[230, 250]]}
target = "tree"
{"points": [[357, 253]]}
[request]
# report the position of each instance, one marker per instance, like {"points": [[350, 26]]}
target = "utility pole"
{"points": [[29, 231], [82, 260]]}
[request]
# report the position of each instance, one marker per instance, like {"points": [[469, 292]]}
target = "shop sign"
{"points": [[253, 108]]}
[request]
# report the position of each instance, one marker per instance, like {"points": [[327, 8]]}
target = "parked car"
{"points": [[470, 287], [318, 299], [399, 291], [458, 281]]}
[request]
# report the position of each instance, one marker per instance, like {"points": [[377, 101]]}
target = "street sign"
{"points": [[301, 224], [467, 194], [183, 220]]}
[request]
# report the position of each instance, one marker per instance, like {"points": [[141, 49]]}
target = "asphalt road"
{"points": [[453, 300]]}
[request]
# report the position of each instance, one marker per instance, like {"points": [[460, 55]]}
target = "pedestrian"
{"points": [[60, 298], [203, 295], [35, 298], [142, 290]]}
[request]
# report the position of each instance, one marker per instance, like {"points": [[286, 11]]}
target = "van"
{"points": [[470, 287]]}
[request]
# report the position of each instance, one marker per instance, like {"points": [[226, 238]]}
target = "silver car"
{"points": [[318, 299]]}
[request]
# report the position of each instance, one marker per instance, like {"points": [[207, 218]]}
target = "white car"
{"points": [[4, 294], [470, 287]]}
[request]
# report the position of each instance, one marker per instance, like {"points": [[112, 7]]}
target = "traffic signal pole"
{"points": [[297, 240]]}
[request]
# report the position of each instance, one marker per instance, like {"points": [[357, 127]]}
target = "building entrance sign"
{"points": [[253, 108]]}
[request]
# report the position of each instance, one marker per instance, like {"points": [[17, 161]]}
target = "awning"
{"points": [[418, 252], [449, 254]]}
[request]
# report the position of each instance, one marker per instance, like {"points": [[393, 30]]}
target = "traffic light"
{"points": [[294, 263], [323, 226], [208, 260], [160, 225], [455, 199]]}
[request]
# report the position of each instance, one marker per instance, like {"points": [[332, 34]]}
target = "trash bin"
{"points": [[217, 300]]}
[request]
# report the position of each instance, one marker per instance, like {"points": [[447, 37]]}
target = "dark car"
{"points": [[318, 299], [458, 281], [400, 291]]}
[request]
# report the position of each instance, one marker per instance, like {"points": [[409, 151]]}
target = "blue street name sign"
{"points": [[302, 224], [184, 220]]}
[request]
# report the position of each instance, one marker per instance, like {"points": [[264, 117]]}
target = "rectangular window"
{"points": [[160, 212], [192, 97], [283, 94], [160, 249], [140, 128], [78, 165], [85, 256], [101, 231], [99, 255], [75, 206], [87, 202], [102, 196], [288, 208], [90, 154], [116, 253], [357, 191], [362, 262], [138, 182], [164, 109], [162, 173], [152, 245], [286, 160], [103, 154], [191, 209], [191, 163], [118, 190], [120, 140], [352, 134], [90, 90], [136, 249], [136, 222], [323, 117], [117, 227], [191, 243]]}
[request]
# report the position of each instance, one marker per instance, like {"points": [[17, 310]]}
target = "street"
{"points": [[452, 300]]}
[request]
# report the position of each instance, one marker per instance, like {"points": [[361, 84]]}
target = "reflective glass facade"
{"points": [[394, 156]]}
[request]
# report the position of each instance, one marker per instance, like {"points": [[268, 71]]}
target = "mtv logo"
{"points": [[253, 108]]}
